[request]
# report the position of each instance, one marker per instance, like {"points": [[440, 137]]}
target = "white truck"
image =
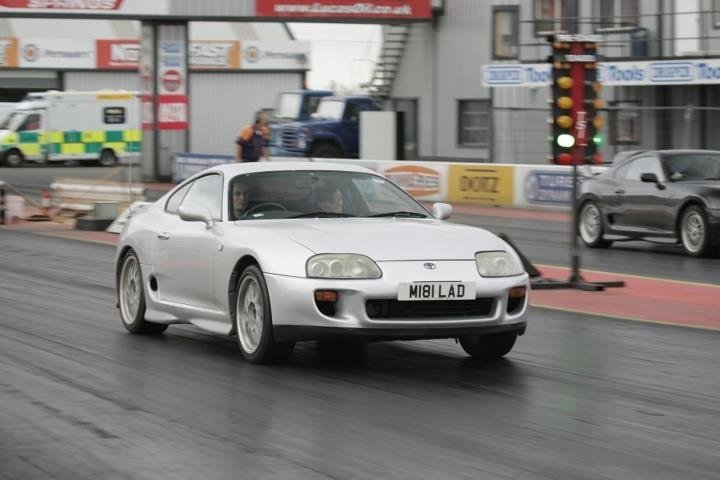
{"points": [[51, 126]]}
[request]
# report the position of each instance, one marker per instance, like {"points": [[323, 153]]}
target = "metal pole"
{"points": [[2, 202], [574, 256]]}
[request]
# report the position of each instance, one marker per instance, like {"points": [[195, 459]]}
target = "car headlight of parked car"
{"points": [[342, 265], [497, 264]]}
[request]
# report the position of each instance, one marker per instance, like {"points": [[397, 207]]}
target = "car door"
{"points": [[350, 129], [643, 200], [185, 270]]}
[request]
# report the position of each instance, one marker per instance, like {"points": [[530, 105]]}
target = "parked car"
{"points": [[278, 252], [332, 132], [666, 196]]}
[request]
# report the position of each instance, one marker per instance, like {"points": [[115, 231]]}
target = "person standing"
{"points": [[253, 140]]}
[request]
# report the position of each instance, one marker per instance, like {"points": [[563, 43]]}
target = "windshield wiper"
{"points": [[400, 213], [323, 214]]}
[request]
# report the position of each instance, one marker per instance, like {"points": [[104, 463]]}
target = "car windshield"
{"points": [[330, 109], [13, 121], [288, 106], [688, 167], [318, 193]]}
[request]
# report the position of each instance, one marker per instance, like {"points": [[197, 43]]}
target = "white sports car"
{"points": [[282, 252]]}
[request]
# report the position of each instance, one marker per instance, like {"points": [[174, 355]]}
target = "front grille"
{"points": [[480, 307], [289, 137]]}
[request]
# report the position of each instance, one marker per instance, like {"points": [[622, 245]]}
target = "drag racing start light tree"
{"points": [[575, 124]]}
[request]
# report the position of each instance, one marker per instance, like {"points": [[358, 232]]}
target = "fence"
{"points": [[521, 135]]}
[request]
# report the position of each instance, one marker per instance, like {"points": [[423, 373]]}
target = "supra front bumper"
{"points": [[297, 316]]}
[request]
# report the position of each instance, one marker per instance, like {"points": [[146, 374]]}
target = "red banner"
{"points": [[118, 54], [350, 9], [63, 4]]}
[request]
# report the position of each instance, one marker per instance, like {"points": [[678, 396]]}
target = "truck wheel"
{"points": [[107, 158], [326, 150], [14, 158]]}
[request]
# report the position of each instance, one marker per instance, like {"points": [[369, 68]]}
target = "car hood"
{"points": [[385, 239]]}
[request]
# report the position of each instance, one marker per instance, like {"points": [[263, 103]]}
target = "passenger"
{"points": [[330, 199], [253, 140], [240, 199]]}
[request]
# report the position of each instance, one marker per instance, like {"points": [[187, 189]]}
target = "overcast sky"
{"points": [[344, 53]]}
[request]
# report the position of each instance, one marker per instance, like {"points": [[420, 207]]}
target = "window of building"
{"points": [[555, 16], [505, 38], [625, 123], [473, 123], [618, 14]]}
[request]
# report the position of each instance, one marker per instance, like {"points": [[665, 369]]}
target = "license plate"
{"points": [[436, 291]]}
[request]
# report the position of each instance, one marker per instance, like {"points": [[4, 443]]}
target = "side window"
{"points": [[644, 165], [113, 115], [206, 192], [32, 122], [351, 112], [174, 201]]}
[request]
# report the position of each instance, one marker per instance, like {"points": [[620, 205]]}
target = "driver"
{"points": [[330, 199], [240, 198]]}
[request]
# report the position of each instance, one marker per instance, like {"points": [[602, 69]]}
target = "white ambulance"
{"points": [[51, 126]]}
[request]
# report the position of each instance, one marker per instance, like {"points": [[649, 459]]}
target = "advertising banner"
{"points": [[172, 113], [57, 53], [345, 9], [612, 74], [8, 52], [263, 55], [215, 55], [118, 54], [86, 7], [486, 184], [424, 181]]}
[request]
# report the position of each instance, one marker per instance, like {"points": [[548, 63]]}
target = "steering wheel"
{"points": [[262, 206]]}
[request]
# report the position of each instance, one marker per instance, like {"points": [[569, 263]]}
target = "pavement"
{"points": [[644, 298]]}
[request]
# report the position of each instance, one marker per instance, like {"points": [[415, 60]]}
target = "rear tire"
{"points": [[253, 321], [488, 346], [131, 296], [326, 150], [590, 226], [107, 158], [695, 236], [14, 158]]}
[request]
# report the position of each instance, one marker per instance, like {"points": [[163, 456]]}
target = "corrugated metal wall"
{"points": [[223, 102], [213, 8], [92, 80]]}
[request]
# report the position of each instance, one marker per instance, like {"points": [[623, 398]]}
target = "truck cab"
{"points": [[332, 132], [293, 106]]}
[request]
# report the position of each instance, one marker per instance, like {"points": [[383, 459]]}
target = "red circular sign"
{"points": [[171, 80]]}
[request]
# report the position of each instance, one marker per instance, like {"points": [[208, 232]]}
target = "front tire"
{"points": [[131, 296], [14, 158], [253, 321], [590, 226], [488, 346], [326, 150], [695, 236]]}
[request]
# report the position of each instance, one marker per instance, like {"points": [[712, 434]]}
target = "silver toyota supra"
{"points": [[276, 253]]}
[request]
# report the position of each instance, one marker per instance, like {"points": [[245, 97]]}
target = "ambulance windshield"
{"points": [[13, 121]]}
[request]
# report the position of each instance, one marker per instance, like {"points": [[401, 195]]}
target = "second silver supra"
{"points": [[277, 253]]}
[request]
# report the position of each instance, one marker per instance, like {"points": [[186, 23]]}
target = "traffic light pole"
{"points": [[577, 59]]}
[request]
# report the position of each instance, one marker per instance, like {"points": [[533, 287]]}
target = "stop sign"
{"points": [[171, 80]]}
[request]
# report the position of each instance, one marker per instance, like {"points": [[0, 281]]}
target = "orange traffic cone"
{"points": [[45, 203]]}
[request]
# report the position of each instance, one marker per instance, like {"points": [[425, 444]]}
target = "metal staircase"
{"points": [[394, 41]]}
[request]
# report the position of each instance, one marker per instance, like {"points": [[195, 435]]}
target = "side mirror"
{"points": [[441, 211], [196, 214], [648, 178], [651, 178]]}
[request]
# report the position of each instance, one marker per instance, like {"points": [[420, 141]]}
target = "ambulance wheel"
{"points": [[14, 158], [107, 158]]}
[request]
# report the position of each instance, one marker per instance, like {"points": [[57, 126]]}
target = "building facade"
{"points": [[475, 82]]}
